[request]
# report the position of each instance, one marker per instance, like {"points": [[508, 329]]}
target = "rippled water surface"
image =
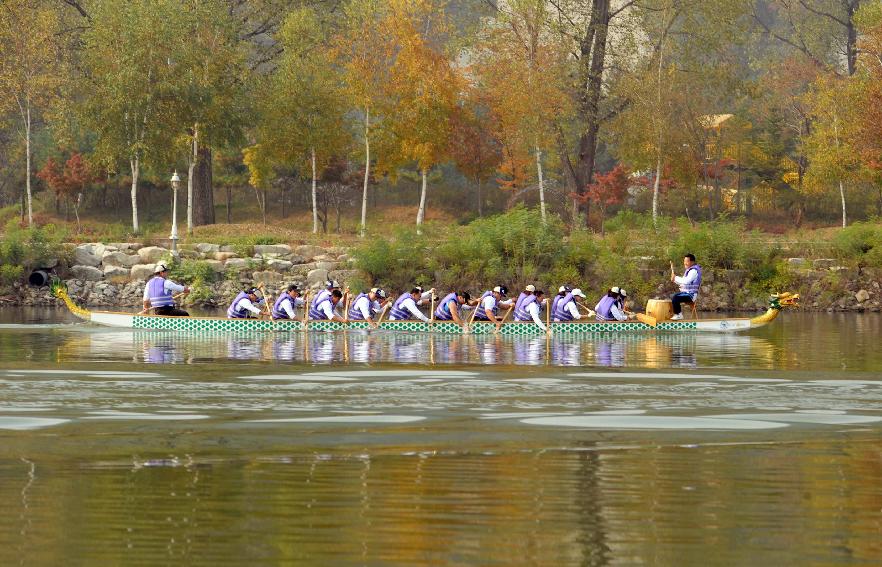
{"points": [[144, 448]]}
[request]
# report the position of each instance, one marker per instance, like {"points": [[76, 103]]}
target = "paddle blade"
{"points": [[651, 321]]}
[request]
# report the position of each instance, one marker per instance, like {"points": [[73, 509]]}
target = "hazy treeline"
{"points": [[695, 108]]}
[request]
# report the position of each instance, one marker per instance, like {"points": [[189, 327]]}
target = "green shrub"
{"points": [[860, 244], [396, 263], [715, 245], [189, 271], [22, 249], [9, 274]]}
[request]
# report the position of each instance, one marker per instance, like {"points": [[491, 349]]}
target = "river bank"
{"points": [[113, 275]]}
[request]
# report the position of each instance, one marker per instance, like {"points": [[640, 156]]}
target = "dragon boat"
{"points": [[581, 327]]}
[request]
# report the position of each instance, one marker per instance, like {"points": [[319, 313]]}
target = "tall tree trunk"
{"points": [[135, 165], [593, 52], [314, 197], [842, 197], [655, 187], [367, 171], [229, 204], [191, 167], [421, 212], [480, 198], [203, 189], [541, 184], [28, 163]]}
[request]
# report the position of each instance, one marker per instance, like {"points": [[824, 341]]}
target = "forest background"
{"points": [[683, 121]]}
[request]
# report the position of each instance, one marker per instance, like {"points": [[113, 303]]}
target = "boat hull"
{"points": [[220, 324]]}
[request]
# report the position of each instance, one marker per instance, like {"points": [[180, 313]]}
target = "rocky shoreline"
{"points": [[113, 275]]}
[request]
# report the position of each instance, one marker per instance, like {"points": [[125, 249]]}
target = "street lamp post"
{"points": [[175, 183]]}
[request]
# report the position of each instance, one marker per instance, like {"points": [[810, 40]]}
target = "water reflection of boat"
{"points": [[663, 351], [512, 328]]}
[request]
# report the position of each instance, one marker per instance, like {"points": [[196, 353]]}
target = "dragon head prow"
{"points": [[784, 299]]}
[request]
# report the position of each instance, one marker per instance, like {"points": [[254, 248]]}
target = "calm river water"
{"points": [[146, 448]]}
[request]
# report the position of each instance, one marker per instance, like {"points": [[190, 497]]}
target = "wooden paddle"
{"points": [[175, 297], [383, 313], [432, 309], [266, 301], [501, 323], [306, 310]]}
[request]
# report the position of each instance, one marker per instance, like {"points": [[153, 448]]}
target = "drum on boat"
{"points": [[661, 309]]}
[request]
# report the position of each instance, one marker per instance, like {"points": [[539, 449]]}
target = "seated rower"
{"points": [[366, 305], [528, 305], [448, 308], [610, 307], [489, 304], [322, 295], [405, 307], [562, 292], [245, 305], [566, 309], [689, 282], [158, 293], [287, 301], [325, 309]]}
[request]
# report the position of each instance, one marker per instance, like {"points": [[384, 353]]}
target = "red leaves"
{"points": [[608, 188], [73, 179]]}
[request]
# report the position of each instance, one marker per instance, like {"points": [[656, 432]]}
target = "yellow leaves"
{"points": [[256, 161]]}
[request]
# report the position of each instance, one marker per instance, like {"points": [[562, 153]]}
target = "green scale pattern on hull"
{"points": [[525, 329]]}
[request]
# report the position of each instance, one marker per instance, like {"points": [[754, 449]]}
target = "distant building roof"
{"points": [[714, 121]]}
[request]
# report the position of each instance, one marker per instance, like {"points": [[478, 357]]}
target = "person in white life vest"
{"points": [[527, 307], [287, 302], [245, 305], [405, 307], [158, 293], [566, 308], [366, 305]]}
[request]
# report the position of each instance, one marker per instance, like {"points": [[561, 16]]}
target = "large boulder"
{"points": [[862, 296], [152, 254], [268, 249], [120, 259], [216, 266], [236, 264], [208, 249], [85, 255], [309, 251], [316, 279], [142, 272], [127, 247], [115, 272], [278, 265], [224, 256], [87, 273], [267, 277], [328, 266]]}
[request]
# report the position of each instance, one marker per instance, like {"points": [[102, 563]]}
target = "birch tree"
{"points": [[364, 52], [422, 90], [132, 90], [522, 68], [29, 71], [302, 104]]}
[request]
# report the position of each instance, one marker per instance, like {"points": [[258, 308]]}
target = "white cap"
{"points": [[623, 293], [578, 292], [380, 293], [160, 267], [615, 289], [531, 288]]}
